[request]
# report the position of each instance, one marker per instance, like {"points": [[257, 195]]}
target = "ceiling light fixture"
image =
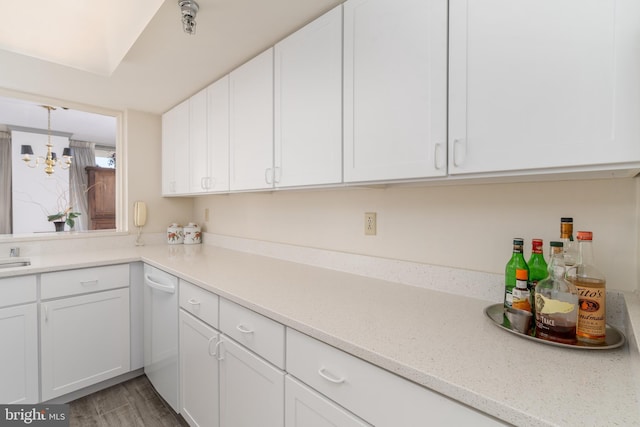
{"points": [[51, 159], [189, 9]]}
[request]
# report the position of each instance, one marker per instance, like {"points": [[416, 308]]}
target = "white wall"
{"points": [[463, 226]]}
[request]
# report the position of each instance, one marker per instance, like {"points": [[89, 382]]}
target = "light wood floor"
{"points": [[133, 403]]}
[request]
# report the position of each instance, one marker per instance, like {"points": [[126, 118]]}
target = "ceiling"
{"points": [[164, 65]]}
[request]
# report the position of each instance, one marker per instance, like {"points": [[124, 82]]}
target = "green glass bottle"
{"points": [[537, 264], [516, 262], [538, 271]]}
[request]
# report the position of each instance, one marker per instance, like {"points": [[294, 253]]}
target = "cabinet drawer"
{"points": [[199, 302], [377, 396], [17, 290], [84, 280], [256, 332]]}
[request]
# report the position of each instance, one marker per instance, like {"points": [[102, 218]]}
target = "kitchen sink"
{"points": [[14, 262]]}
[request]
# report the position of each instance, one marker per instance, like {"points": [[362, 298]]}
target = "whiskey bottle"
{"points": [[516, 262], [570, 247], [591, 286], [556, 302]]}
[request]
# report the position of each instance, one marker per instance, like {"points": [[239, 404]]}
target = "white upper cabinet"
{"points": [[543, 84], [175, 150], [308, 104], [395, 89], [251, 124], [199, 153], [218, 135]]}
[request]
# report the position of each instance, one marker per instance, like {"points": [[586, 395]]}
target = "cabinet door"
{"points": [[251, 390], [84, 340], [19, 355], [307, 408], [308, 104], [198, 372], [251, 124], [218, 134], [395, 89], [543, 84], [199, 152], [175, 150]]}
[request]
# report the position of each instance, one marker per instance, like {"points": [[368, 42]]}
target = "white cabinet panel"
{"points": [[199, 394], [543, 84], [175, 150], [395, 89], [83, 280], [199, 302], [251, 390], [256, 332], [308, 104], [307, 408], [198, 147], [17, 290], [251, 124], [19, 355], [375, 395], [84, 340], [218, 135]]}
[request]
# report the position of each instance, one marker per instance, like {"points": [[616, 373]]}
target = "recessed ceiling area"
{"points": [[156, 70]]}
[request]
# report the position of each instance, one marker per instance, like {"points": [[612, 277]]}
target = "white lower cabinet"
{"points": [[305, 407], [84, 340], [19, 338], [251, 389], [377, 396], [19, 355], [198, 372]]}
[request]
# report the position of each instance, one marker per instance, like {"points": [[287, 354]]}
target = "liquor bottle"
{"points": [[521, 297], [537, 265], [556, 302], [537, 270], [591, 286], [566, 237], [516, 262]]}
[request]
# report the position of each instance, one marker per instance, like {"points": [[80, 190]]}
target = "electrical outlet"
{"points": [[370, 223], [206, 214]]}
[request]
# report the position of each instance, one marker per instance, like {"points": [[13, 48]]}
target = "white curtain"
{"points": [[84, 155], [5, 183]]}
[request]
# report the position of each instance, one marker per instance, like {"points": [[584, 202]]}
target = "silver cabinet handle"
{"points": [[268, 175], [436, 157], [89, 283], [244, 329], [459, 151], [215, 349], [330, 377]]}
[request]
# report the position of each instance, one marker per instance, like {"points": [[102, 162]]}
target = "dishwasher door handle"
{"points": [[170, 289]]}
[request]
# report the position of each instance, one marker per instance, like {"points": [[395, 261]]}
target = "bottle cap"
{"points": [[521, 274], [536, 245], [556, 244], [566, 219], [518, 241], [585, 235]]}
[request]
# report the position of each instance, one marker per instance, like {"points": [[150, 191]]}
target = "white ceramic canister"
{"points": [[175, 234], [192, 234]]}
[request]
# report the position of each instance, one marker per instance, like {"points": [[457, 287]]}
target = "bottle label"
{"points": [[508, 298], [521, 299], [592, 309], [555, 320]]}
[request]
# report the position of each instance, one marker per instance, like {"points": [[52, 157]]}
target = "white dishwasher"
{"points": [[161, 333]]}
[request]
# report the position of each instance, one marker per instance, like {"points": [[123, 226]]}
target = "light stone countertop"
{"points": [[442, 341]]}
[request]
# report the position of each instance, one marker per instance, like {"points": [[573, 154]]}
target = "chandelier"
{"points": [[51, 159]]}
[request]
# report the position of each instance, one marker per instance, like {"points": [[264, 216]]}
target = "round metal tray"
{"points": [[614, 337]]}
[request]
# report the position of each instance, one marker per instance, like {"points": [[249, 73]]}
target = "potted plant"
{"points": [[61, 218]]}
